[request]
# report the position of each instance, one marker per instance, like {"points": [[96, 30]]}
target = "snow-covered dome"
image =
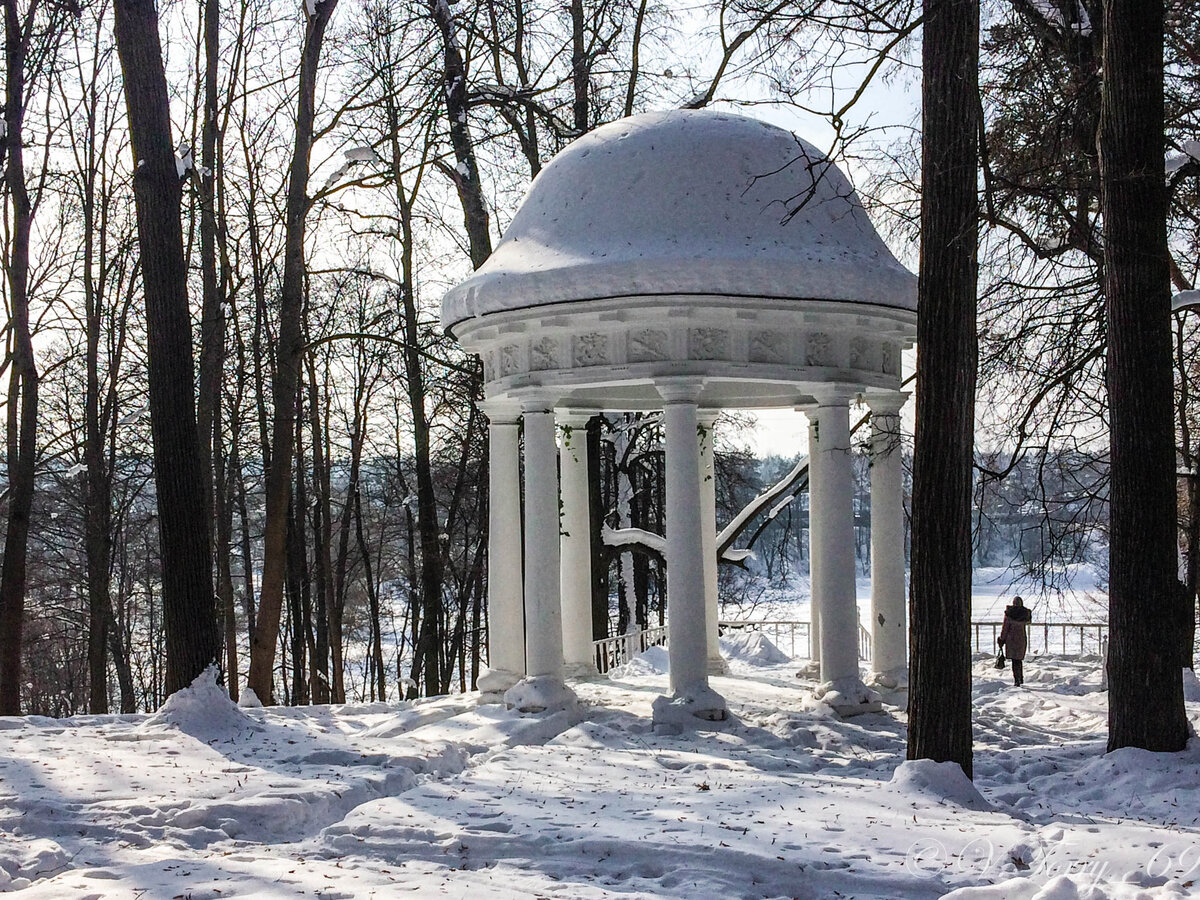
{"points": [[688, 203]]}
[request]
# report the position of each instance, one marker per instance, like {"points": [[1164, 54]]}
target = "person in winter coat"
{"points": [[1013, 638]]}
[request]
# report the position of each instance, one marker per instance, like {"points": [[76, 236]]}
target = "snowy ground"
{"points": [[444, 798]]}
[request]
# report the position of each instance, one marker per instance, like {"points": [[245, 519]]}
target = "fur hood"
{"points": [[1018, 613]]}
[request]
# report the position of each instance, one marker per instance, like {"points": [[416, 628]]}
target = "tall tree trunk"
{"points": [[431, 639], [599, 574], [465, 173], [580, 70], [322, 527], [97, 526], [189, 616], [300, 600], [380, 671], [21, 443], [290, 350], [342, 565], [212, 349], [1145, 694], [940, 659]]}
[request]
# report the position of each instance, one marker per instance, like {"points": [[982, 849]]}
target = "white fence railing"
{"points": [[792, 637], [1062, 638], [795, 639], [616, 651]]}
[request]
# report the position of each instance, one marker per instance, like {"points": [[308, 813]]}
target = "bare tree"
{"points": [[21, 445], [187, 587], [289, 357]]}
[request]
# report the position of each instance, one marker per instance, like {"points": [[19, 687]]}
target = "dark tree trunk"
{"points": [[212, 350], [940, 657], [21, 445], [1145, 696], [342, 565], [372, 601], [431, 639], [290, 349], [97, 526], [579, 68], [595, 446], [189, 614], [299, 599], [322, 526], [465, 174], [224, 549]]}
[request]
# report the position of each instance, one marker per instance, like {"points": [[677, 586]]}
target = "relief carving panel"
{"points": [[890, 362], [708, 343], [591, 349], [543, 354], [818, 350], [859, 351], [648, 345], [768, 347], [510, 360]]}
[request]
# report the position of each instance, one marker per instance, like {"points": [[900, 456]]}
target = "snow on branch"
{"points": [[764, 500], [1186, 300], [1190, 154], [634, 537]]}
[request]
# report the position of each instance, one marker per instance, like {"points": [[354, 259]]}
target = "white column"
{"points": [[576, 547], [889, 628], [833, 555], [688, 642], [542, 688], [505, 598], [708, 524], [815, 568]]}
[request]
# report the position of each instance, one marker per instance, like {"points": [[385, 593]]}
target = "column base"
{"points": [[580, 671], [687, 708], [811, 670], [492, 683], [849, 697], [717, 666], [539, 693], [892, 680]]}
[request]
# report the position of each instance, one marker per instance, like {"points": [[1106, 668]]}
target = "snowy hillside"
{"points": [[445, 799]]}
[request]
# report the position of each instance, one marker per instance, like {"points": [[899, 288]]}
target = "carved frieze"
{"points": [[648, 345], [768, 347], [591, 349], [818, 350], [890, 359], [708, 343], [510, 360], [859, 351], [543, 354]]}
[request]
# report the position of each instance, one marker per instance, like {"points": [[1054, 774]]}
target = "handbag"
{"points": [[999, 664]]}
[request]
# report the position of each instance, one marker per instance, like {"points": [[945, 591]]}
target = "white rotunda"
{"points": [[685, 261]]}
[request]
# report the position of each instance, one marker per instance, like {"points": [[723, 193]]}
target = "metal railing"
{"points": [[616, 651], [794, 638], [1064, 638]]}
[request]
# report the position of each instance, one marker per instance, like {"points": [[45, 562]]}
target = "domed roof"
{"points": [[686, 202]]}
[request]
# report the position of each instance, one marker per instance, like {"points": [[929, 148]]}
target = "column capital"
{"points": [[574, 418], [888, 404], [501, 412], [679, 390], [538, 403], [708, 417], [834, 395]]}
